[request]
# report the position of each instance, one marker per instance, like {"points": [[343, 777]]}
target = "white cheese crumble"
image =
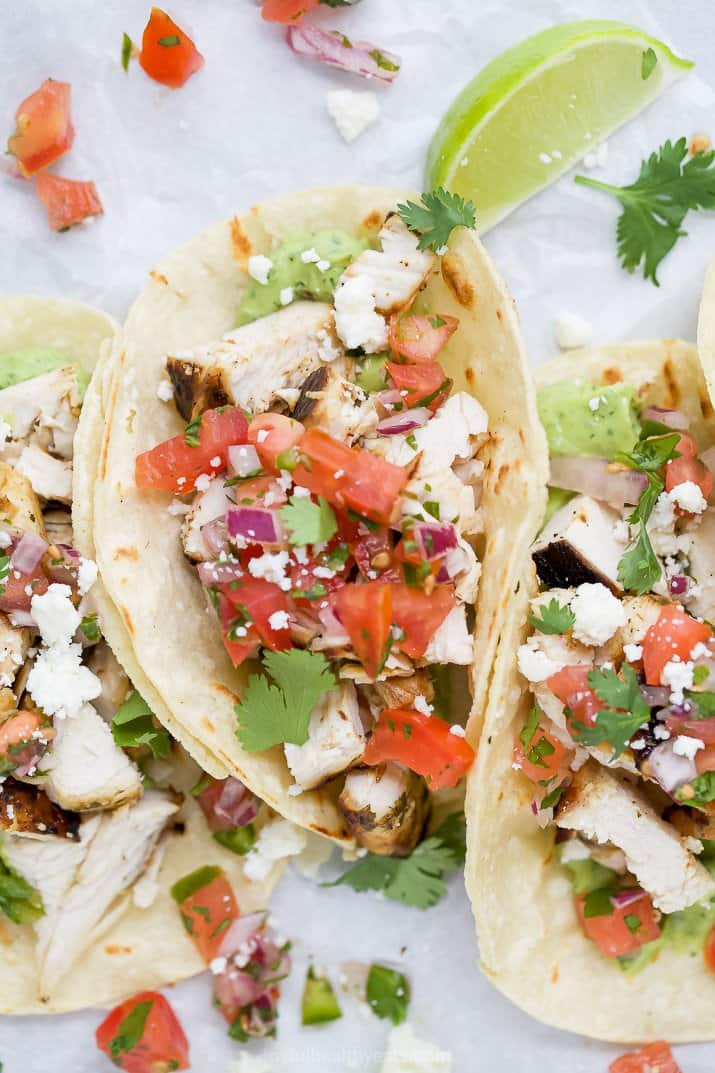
{"points": [[323, 266], [356, 320], [687, 746], [534, 664], [86, 575], [272, 567], [279, 620], [286, 296], [259, 268], [218, 965], [679, 676], [352, 111], [310, 256], [406, 1053], [458, 731], [422, 705], [572, 330], [689, 497], [633, 652], [276, 841], [56, 616], [59, 684], [598, 614], [202, 483], [165, 391]]}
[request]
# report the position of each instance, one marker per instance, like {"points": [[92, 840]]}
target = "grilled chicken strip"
{"points": [[27, 810], [252, 365], [605, 810], [19, 506], [58, 524], [401, 692], [336, 739], [579, 545], [385, 808], [331, 401], [397, 271]]}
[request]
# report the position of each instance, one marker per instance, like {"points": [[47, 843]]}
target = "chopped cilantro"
{"points": [[130, 1031], [437, 321], [555, 618], [437, 216], [169, 41], [90, 628], [597, 903], [700, 675], [238, 840], [704, 700], [188, 885], [133, 726], [627, 713], [127, 49], [307, 522], [535, 751], [192, 432], [270, 714], [388, 993], [381, 59], [4, 571], [432, 507], [632, 922], [648, 61]]}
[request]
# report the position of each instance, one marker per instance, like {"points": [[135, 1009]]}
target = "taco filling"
{"points": [[329, 480], [619, 742]]}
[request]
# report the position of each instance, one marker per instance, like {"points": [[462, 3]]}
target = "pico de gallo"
{"points": [[330, 481], [619, 742]]}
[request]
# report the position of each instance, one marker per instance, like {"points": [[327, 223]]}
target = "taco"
{"points": [[319, 450], [592, 846], [97, 817]]}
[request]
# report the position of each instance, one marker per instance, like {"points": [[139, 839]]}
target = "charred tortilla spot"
{"points": [[500, 315], [671, 383], [195, 390], [127, 553], [159, 278], [706, 406], [223, 691], [115, 948], [373, 221], [612, 375], [501, 477], [316, 381], [455, 275], [470, 374], [27, 809], [205, 722], [555, 974], [241, 248], [127, 619]]}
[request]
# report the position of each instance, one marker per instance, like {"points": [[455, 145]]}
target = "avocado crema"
{"points": [[582, 419], [16, 366], [310, 263]]}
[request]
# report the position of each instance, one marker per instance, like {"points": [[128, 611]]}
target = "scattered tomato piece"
{"points": [[423, 743], [68, 201], [570, 685], [239, 649], [543, 757], [655, 1058], [419, 616], [143, 1035], [622, 931], [44, 128], [423, 385], [680, 470], [420, 338], [675, 633], [287, 10], [262, 600], [175, 464], [365, 612], [208, 907], [274, 435], [168, 55]]}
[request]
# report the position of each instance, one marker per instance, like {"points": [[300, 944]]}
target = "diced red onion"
{"points": [[336, 50], [219, 573], [656, 696], [669, 768], [254, 524], [389, 398], [590, 476], [240, 932], [214, 536], [333, 631], [22, 618], [396, 424], [234, 989], [685, 722], [227, 804], [671, 418], [28, 553], [708, 457], [243, 460], [678, 585], [623, 898], [435, 540]]}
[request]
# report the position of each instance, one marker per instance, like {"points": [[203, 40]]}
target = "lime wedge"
{"points": [[539, 107]]}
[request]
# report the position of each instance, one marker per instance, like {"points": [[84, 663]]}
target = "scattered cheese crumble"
{"points": [[259, 268], [572, 330], [352, 111]]}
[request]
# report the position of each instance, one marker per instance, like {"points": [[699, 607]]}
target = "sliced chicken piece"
{"points": [[27, 810], [402, 692], [331, 401], [455, 501], [452, 642], [702, 567], [14, 645], [43, 412], [397, 665], [397, 271], [452, 436], [580, 544], [51, 478], [115, 684], [251, 366], [86, 769], [606, 810], [206, 507], [58, 524], [336, 740], [385, 808], [19, 506]]}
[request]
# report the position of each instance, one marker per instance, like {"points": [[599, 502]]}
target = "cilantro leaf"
{"points": [[415, 880], [639, 568], [308, 522], [270, 714], [648, 61], [535, 751], [388, 993], [627, 713], [133, 726], [436, 218], [655, 205], [192, 432], [20, 902], [90, 628], [555, 618], [597, 903], [650, 454], [130, 1031]]}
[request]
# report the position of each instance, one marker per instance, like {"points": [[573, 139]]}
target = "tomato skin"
{"points": [[551, 764], [44, 128], [163, 1045], [67, 201], [365, 483], [272, 435], [416, 338], [287, 10], [612, 935], [207, 910], [174, 466], [248, 646], [421, 382], [570, 685], [171, 65], [674, 633], [420, 615], [262, 599], [423, 743], [655, 1058], [365, 612]]}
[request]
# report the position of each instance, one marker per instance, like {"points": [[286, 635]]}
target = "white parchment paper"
{"points": [[253, 124]]}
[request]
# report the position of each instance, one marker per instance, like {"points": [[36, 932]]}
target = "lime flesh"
{"points": [[539, 107]]}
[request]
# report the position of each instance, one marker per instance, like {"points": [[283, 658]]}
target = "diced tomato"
{"points": [[262, 599], [253, 491], [373, 552], [655, 1058], [15, 596], [543, 758], [208, 907], [68, 201], [226, 803], [273, 436], [675, 633], [420, 338], [287, 10], [238, 649], [143, 1035], [306, 577], [704, 729], [424, 384], [175, 465], [680, 470], [44, 128], [570, 685], [17, 745], [168, 55], [705, 758], [612, 934], [419, 616], [365, 612], [349, 476], [423, 743]]}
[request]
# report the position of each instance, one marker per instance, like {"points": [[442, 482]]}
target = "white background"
{"points": [[253, 124]]}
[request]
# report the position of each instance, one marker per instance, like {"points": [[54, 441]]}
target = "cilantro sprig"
{"points": [[655, 205], [272, 713], [626, 713], [415, 880], [307, 522], [554, 618], [388, 993], [133, 726], [639, 568], [436, 218]]}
